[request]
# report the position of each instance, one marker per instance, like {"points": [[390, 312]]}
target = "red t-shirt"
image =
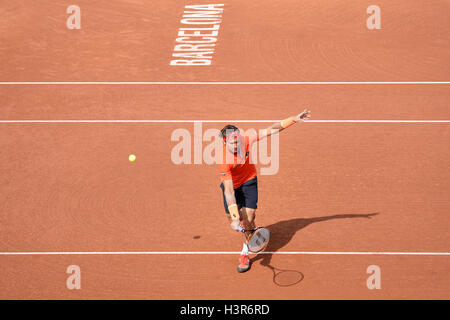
{"points": [[241, 170]]}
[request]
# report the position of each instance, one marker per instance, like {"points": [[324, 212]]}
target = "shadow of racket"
{"points": [[285, 277]]}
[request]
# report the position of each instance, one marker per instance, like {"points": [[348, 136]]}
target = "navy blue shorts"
{"points": [[246, 195]]}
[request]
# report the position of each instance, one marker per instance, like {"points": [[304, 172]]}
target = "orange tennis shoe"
{"points": [[244, 263]]}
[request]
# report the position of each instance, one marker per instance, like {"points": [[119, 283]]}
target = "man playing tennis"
{"points": [[239, 179]]}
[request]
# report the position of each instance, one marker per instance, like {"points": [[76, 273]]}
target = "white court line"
{"points": [[223, 253], [220, 82], [219, 121]]}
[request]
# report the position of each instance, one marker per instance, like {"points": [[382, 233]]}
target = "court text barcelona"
{"points": [[197, 37]]}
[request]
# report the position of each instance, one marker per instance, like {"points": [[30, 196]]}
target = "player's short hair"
{"points": [[227, 130]]}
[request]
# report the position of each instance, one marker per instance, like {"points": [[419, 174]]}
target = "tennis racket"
{"points": [[257, 239]]}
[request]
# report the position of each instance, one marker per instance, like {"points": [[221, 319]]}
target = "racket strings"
{"points": [[258, 240]]}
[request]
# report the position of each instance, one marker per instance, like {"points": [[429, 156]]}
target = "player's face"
{"points": [[234, 143]]}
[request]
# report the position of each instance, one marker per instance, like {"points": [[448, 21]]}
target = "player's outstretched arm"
{"points": [[283, 124], [231, 203]]}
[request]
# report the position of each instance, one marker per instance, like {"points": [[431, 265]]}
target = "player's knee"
{"points": [[250, 214]]}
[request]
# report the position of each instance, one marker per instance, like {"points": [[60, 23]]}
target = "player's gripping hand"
{"points": [[235, 224]]}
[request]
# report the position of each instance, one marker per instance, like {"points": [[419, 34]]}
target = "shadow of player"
{"points": [[282, 232]]}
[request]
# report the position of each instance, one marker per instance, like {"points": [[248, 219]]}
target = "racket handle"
{"points": [[240, 229]]}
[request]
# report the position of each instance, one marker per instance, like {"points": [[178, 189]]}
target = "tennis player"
{"points": [[239, 182]]}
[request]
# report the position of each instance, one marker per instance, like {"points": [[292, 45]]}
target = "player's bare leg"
{"points": [[248, 220], [247, 217]]}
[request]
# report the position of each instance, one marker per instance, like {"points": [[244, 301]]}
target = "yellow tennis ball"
{"points": [[132, 158]]}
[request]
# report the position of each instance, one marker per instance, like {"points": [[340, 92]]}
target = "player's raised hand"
{"points": [[305, 115]]}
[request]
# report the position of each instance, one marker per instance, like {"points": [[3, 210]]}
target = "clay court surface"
{"points": [[155, 230]]}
